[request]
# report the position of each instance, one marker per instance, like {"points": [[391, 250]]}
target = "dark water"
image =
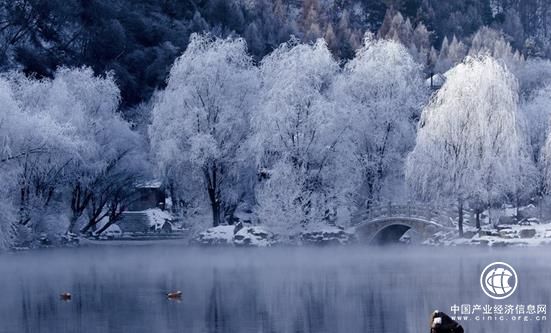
{"points": [[120, 289]]}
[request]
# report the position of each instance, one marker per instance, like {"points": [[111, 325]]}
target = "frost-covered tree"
{"points": [[420, 47], [201, 119], [417, 41], [381, 93], [7, 211], [443, 63], [537, 114], [534, 77], [296, 131], [37, 146], [14, 127], [456, 51], [450, 54], [546, 165], [533, 74], [77, 112], [487, 41], [468, 143]]}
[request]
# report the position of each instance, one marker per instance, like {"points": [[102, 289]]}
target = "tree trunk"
{"points": [[73, 222], [92, 224], [175, 201], [460, 221], [229, 213], [517, 204], [214, 193], [107, 225], [215, 206], [80, 199], [24, 213], [87, 227], [370, 185], [541, 207], [477, 214]]}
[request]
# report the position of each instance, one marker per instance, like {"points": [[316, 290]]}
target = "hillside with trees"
{"points": [[140, 39]]}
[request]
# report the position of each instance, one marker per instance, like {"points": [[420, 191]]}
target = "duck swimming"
{"points": [[65, 296], [174, 295]]}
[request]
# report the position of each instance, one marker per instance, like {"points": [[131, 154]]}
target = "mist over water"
{"points": [[121, 289]]}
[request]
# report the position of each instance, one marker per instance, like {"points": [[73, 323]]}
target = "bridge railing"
{"points": [[441, 215]]}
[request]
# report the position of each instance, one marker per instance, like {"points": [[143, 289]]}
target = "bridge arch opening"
{"points": [[390, 234]]}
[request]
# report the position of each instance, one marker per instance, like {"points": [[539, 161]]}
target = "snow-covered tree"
{"points": [[546, 165], [450, 54], [7, 211], [417, 41], [487, 41], [201, 119], [381, 93], [37, 147], [13, 126], [442, 64], [456, 51], [537, 112], [78, 140], [468, 145], [420, 46], [296, 133], [533, 75]]}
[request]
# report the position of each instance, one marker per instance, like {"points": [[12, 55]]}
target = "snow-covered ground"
{"points": [[512, 235], [510, 227]]}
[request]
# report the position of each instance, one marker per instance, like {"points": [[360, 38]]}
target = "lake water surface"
{"points": [[280, 290]]}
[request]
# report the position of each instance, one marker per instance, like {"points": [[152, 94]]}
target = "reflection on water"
{"points": [[122, 289]]}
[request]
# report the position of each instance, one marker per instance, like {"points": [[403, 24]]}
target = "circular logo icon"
{"points": [[498, 280]]}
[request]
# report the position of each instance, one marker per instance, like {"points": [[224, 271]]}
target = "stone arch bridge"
{"points": [[388, 223]]}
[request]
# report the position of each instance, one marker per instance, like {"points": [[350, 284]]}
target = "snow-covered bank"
{"points": [[256, 236], [502, 235], [512, 226]]}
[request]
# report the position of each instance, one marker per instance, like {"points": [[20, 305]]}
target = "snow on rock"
{"points": [[253, 236], [113, 231], [157, 218], [220, 235], [443, 237], [256, 236], [503, 235], [328, 235], [237, 235]]}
